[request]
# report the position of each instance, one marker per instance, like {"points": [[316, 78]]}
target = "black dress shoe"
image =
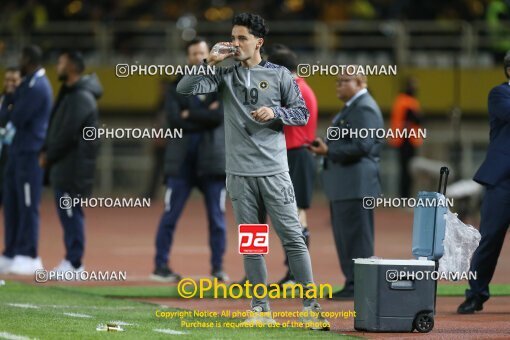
{"points": [[344, 294], [470, 306]]}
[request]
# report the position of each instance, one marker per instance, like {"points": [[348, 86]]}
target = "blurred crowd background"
{"points": [[105, 29], [454, 49], [37, 13]]}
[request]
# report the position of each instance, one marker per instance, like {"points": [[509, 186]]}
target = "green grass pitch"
{"points": [[74, 312], [50, 312]]}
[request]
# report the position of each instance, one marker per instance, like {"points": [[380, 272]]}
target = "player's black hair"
{"points": [[506, 64], [76, 58], [282, 55], [12, 69], [33, 53], [194, 41], [254, 22]]}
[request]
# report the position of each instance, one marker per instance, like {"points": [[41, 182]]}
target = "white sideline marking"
{"points": [[169, 331], [78, 315], [9, 336], [89, 307], [23, 305], [122, 323]]}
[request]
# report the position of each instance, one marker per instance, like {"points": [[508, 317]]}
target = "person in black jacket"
{"points": [[69, 159], [196, 160]]}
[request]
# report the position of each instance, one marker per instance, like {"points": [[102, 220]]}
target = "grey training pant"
{"points": [[251, 198]]}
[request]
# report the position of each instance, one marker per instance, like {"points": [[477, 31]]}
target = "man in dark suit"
{"points": [[494, 174], [351, 172]]}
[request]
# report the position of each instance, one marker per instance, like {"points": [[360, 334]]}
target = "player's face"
{"points": [[11, 81], [347, 87], [62, 67], [248, 44], [197, 53], [412, 86]]}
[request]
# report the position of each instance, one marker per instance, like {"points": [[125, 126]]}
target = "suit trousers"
{"points": [[353, 230], [495, 219]]}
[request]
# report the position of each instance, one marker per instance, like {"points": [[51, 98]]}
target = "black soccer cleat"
{"points": [[165, 274]]}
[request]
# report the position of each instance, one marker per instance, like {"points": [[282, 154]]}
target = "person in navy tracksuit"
{"points": [[31, 106], [12, 79], [494, 174], [196, 160]]}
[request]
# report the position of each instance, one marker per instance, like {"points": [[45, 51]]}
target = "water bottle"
{"points": [[223, 48]]}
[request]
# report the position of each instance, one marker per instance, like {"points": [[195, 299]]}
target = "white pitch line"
{"points": [[146, 278], [87, 307], [169, 331], [122, 323], [23, 305], [9, 336], [78, 315]]}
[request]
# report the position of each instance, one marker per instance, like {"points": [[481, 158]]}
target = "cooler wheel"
{"points": [[424, 322]]}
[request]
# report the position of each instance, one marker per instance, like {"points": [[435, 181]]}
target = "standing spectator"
{"points": [[31, 107], [351, 172], [196, 160], [494, 174], [301, 160], [496, 19], [406, 115], [12, 80], [68, 158]]}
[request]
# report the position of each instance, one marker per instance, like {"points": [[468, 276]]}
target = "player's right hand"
{"points": [[184, 114], [218, 53], [214, 105], [318, 147]]}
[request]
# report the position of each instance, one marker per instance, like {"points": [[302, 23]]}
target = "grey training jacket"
{"points": [[253, 148]]}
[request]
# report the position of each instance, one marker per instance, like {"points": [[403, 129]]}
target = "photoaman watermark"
{"points": [[188, 288]]}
